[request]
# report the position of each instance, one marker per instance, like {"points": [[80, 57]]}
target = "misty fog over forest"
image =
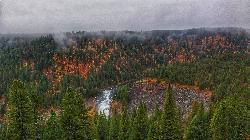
{"points": [[32, 16]]}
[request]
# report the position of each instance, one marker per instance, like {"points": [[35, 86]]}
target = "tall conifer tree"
{"points": [[170, 120], [154, 129], [53, 129], [124, 121], [231, 120], [102, 127], [198, 128], [114, 126], [20, 113], [74, 116], [139, 126]]}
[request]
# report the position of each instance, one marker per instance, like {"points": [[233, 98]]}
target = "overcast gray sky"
{"points": [[35, 16]]}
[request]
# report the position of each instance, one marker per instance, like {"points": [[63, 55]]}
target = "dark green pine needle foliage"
{"points": [[153, 133], [2, 133], [154, 129], [124, 122], [53, 129], [170, 121], [102, 127], [139, 127], [195, 109], [150, 135], [131, 132], [74, 116], [114, 126], [198, 129], [231, 120], [20, 113]]}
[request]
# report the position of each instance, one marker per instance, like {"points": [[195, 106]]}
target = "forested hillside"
{"points": [[179, 84]]}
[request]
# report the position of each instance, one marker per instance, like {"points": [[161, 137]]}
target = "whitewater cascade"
{"points": [[103, 102]]}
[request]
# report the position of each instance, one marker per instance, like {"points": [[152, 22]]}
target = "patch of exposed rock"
{"points": [[152, 93]]}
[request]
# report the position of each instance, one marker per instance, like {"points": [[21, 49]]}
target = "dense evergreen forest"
{"points": [[47, 81]]}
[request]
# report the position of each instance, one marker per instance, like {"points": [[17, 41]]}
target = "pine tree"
{"points": [[32, 89], [74, 116], [123, 130], [20, 115], [230, 120], [139, 128], [153, 132], [198, 128], [53, 129], [220, 122], [131, 132], [102, 127], [194, 111], [150, 135], [170, 121], [154, 129], [2, 132], [114, 126]]}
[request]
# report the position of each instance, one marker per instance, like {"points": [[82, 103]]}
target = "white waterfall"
{"points": [[104, 102]]}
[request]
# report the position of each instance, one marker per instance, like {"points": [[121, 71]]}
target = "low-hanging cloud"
{"points": [[36, 16]]}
